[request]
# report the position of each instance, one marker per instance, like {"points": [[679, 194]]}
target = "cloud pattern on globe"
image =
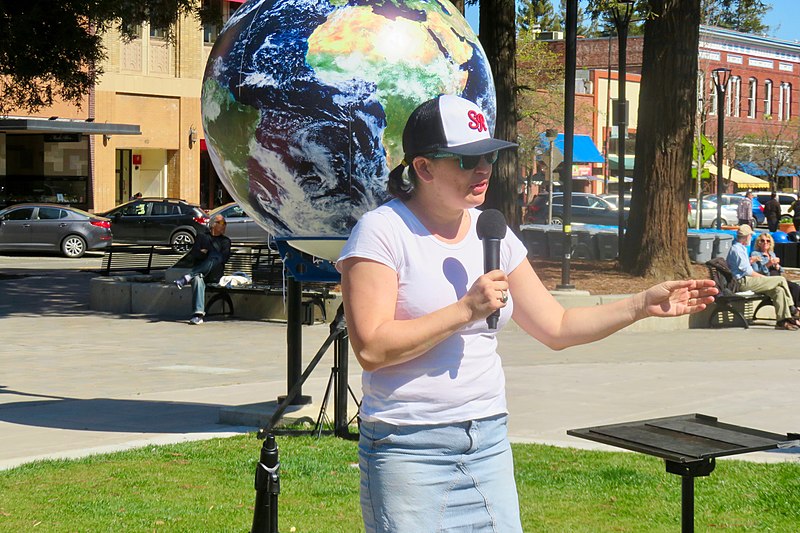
{"points": [[304, 102]]}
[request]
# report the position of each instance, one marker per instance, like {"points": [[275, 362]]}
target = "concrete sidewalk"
{"points": [[77, 382]]}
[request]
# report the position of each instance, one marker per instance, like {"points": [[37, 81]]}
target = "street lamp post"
{"points": [[621, 13], [551, 136], [721, 77], [570, 64]]}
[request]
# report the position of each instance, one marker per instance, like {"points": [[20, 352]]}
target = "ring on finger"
{"points": [[503, 295]]}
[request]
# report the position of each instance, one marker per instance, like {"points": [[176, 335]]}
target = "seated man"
{"points": [[210, 251], [740, 263]]}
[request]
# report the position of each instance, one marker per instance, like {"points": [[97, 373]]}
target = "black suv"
{"points": [[157, 221], [586, 208]]}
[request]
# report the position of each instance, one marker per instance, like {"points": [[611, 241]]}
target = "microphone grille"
{"points": [[491, 225]]}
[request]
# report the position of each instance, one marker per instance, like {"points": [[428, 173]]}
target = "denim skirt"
{"points": [[435, 478]]}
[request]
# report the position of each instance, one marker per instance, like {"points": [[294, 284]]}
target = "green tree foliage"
{"points": [[540, 92], [562, 16], [531, 13], [600, 12], [746, 16], [52, 49]]}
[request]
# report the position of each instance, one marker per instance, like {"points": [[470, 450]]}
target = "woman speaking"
{"points": [[433, 451]]}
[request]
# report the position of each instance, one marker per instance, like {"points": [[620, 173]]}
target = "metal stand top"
{"points": [[685, 438], [689, 444]]}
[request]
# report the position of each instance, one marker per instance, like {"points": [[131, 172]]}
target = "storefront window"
{"points": [[46, 168]]}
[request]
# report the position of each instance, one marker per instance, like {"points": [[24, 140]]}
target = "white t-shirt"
{"points": [[461, 378]]}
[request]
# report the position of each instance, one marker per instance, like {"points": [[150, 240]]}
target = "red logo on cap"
{"points": [[477, 121]]}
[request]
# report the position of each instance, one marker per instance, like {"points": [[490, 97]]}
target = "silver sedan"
{"points": [[52, 227], [240, 227], [708, 219]]}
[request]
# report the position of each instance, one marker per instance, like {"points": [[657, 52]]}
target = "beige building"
{"points": [[139, 129]]}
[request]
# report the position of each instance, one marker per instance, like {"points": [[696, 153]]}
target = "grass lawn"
{"points": [[208, 486]]}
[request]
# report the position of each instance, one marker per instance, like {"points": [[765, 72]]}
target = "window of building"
{"points": [[733, 96], [767, 98], [785, 102], [751, 99], [135, 30], [158, 33], [211, 31]]}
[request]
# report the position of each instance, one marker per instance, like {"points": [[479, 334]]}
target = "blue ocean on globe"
{"points": [[304, 102]]}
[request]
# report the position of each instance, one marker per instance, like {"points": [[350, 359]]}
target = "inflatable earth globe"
{"points": [[304, 102]]}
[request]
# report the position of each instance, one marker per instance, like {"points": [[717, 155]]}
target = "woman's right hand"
{"points": [[485, 295]]}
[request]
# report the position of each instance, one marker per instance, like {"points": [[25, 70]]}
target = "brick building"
{"points": [[761, 105]]}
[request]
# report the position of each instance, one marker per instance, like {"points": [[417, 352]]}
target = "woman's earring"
{"points": [[406, 185]]}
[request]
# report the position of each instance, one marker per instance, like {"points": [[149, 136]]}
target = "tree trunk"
{"points": [[656, 246], [459, 5], [498, 38]]}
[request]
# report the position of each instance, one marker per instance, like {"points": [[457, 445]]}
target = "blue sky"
{"points": [[783, 19]]}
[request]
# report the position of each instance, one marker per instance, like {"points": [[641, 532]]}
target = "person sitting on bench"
{"points": [[740, 263], [210, 252]]}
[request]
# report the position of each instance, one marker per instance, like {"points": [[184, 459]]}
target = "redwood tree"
{"points": [[655, 244], [498, 38]]}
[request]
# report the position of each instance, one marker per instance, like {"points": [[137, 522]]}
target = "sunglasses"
{"points": [[466, 162]]}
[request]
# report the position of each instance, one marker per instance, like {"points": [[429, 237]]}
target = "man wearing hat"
{"points": [[740, 263]]}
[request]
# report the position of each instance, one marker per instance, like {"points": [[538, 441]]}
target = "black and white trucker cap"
{"points": [[452, 124]]}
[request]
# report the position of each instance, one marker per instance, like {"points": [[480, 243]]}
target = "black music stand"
{"points": [[689, 444]]}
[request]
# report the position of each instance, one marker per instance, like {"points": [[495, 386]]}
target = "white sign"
{"points": [[763, 63]]}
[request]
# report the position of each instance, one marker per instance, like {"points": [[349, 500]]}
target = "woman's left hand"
{"points": [[676, 298]]}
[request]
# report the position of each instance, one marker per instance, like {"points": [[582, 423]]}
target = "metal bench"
{"points": [[263, 265], [727, 298], [138, 258]]}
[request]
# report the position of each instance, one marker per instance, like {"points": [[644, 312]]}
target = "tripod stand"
{"points": [[337, 380]]}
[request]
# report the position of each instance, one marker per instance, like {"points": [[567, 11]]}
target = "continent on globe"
{"points": [[304, 102]]}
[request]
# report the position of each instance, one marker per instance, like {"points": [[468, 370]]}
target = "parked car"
{"points": [[240, 227], [709, 216], [735, 200], [45, 227], [158, 221], [586, 208], [613, 199]]}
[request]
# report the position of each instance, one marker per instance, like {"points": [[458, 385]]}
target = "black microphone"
{"points": [[491, 230]]}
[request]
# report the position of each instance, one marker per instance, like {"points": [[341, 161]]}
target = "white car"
{"points": [[785, 198], [708, 219], [613, 199]]}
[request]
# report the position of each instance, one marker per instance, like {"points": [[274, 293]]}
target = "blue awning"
{"points": [[583, 149], [754, 169]]}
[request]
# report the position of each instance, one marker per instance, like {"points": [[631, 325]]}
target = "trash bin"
{"points": [[788, 252], [585, 245], [535, 240], [701, 245], [556, 241], [722, 245], [607, 245]]}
